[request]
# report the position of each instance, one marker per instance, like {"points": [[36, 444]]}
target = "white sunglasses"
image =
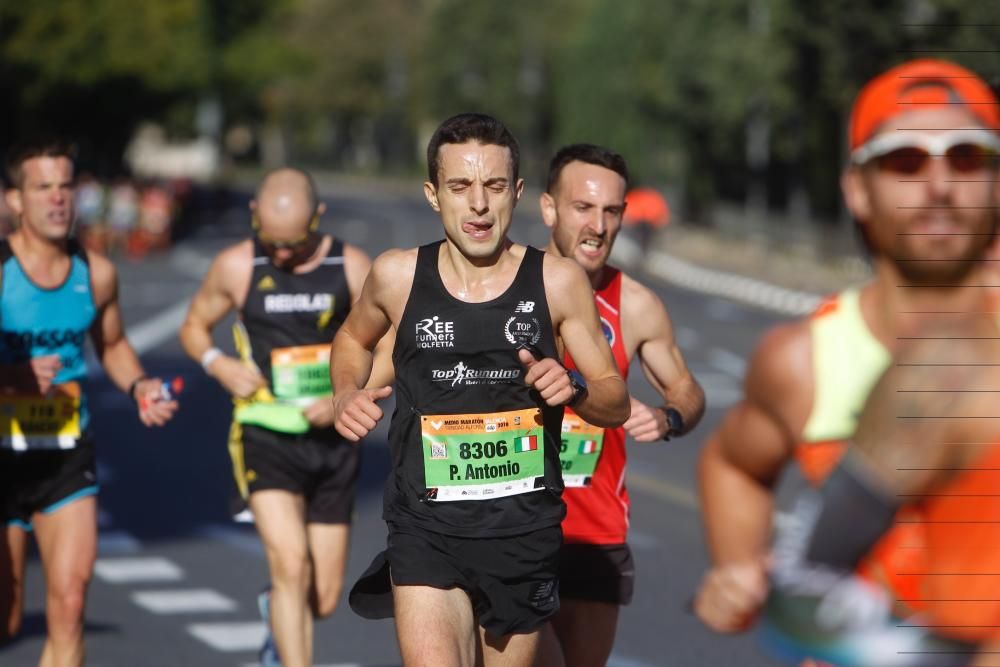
{"points": [[907, 152]]}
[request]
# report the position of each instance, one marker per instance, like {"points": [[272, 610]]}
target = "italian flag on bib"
{"points": [[588, 447], [527, 443]]}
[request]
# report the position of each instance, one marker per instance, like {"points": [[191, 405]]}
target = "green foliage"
{"points": [[675, 86]]}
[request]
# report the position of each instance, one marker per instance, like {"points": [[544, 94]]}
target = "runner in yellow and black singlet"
{"points": [[292, 287]]}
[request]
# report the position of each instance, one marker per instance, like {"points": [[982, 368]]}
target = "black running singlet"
{"points": [[475, 450], [290, 320]]}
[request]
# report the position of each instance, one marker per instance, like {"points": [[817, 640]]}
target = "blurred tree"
{"points": [[493, 58], [93, 68]]}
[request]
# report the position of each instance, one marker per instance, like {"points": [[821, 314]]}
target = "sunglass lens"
{"points": [[909, 160], [969, 157]]}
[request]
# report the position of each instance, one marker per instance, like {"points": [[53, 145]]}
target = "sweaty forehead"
{"points": [[45, 168], [582, 180], [473, 161]]}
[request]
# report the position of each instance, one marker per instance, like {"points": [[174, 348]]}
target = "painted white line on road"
{"points": [[132, 570], [230, 637], [117, 543], [194, 601], [730, 285], [727, 362], [153, 332]]}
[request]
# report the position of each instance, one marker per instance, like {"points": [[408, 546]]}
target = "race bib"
{"points": [[301, 374], [479, 457], [579, 450], [33, 421]]}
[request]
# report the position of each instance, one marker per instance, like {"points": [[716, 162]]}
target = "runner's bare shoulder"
{"points": [[779, 377], [232, 268], [103, 278], [392, 273]]}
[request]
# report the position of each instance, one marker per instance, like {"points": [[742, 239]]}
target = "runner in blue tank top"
{"points": [[52, 295]]}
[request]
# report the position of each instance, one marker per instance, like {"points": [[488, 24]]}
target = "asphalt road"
{"points": [[176, 580]]}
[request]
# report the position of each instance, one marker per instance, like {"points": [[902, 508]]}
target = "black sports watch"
{"points": [[579, 386], [675, 422]]}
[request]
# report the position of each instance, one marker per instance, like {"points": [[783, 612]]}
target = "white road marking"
{"points": [[727, 362], [153, 332], [192, 601], [132, 570], [730, 285], [117, 543], [230, 637]]}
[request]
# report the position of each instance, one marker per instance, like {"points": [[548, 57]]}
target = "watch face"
{"points": [[675, 420]]}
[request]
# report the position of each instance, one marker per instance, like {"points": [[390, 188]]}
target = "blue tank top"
{"points": [[34, 322]]}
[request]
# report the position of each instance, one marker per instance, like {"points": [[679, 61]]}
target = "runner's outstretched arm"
{"points": [[352, 354], [115, 352], [646, 321], [739, 465], [213, 301], [574, 316]]}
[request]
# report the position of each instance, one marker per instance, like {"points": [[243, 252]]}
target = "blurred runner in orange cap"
{"points": [[922, 185]]}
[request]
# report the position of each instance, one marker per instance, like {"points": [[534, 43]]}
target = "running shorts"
{"points": [[322, 468], [511, 581]]}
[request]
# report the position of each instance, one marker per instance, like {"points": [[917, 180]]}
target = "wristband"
{"points": [[135, 383], [210, 355]]}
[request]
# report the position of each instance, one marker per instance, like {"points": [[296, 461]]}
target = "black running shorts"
{"points": [[511, 581], [323, 469], [597, 573], [44, 480]]}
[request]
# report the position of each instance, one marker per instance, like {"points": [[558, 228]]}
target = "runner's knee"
{"points": [[290, 567]]}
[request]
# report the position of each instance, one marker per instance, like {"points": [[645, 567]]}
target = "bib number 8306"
{"points": [[479, 450]]}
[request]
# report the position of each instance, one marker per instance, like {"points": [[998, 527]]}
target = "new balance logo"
{"points": [[525, 307]]}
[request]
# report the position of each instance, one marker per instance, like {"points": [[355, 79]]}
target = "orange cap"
{"points": [[918, 84]]}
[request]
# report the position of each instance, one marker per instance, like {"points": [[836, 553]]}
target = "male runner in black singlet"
{"points": [[473, 500], [293, 287]]}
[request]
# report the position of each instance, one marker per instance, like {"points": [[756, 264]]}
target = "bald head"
{"points": [[286, 202]]}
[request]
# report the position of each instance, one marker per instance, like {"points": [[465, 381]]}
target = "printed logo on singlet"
{"points": [[25, 340], [609, 331], [298, 303], [461, 374], [523, 328], [266, 283], [434, 332]]}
